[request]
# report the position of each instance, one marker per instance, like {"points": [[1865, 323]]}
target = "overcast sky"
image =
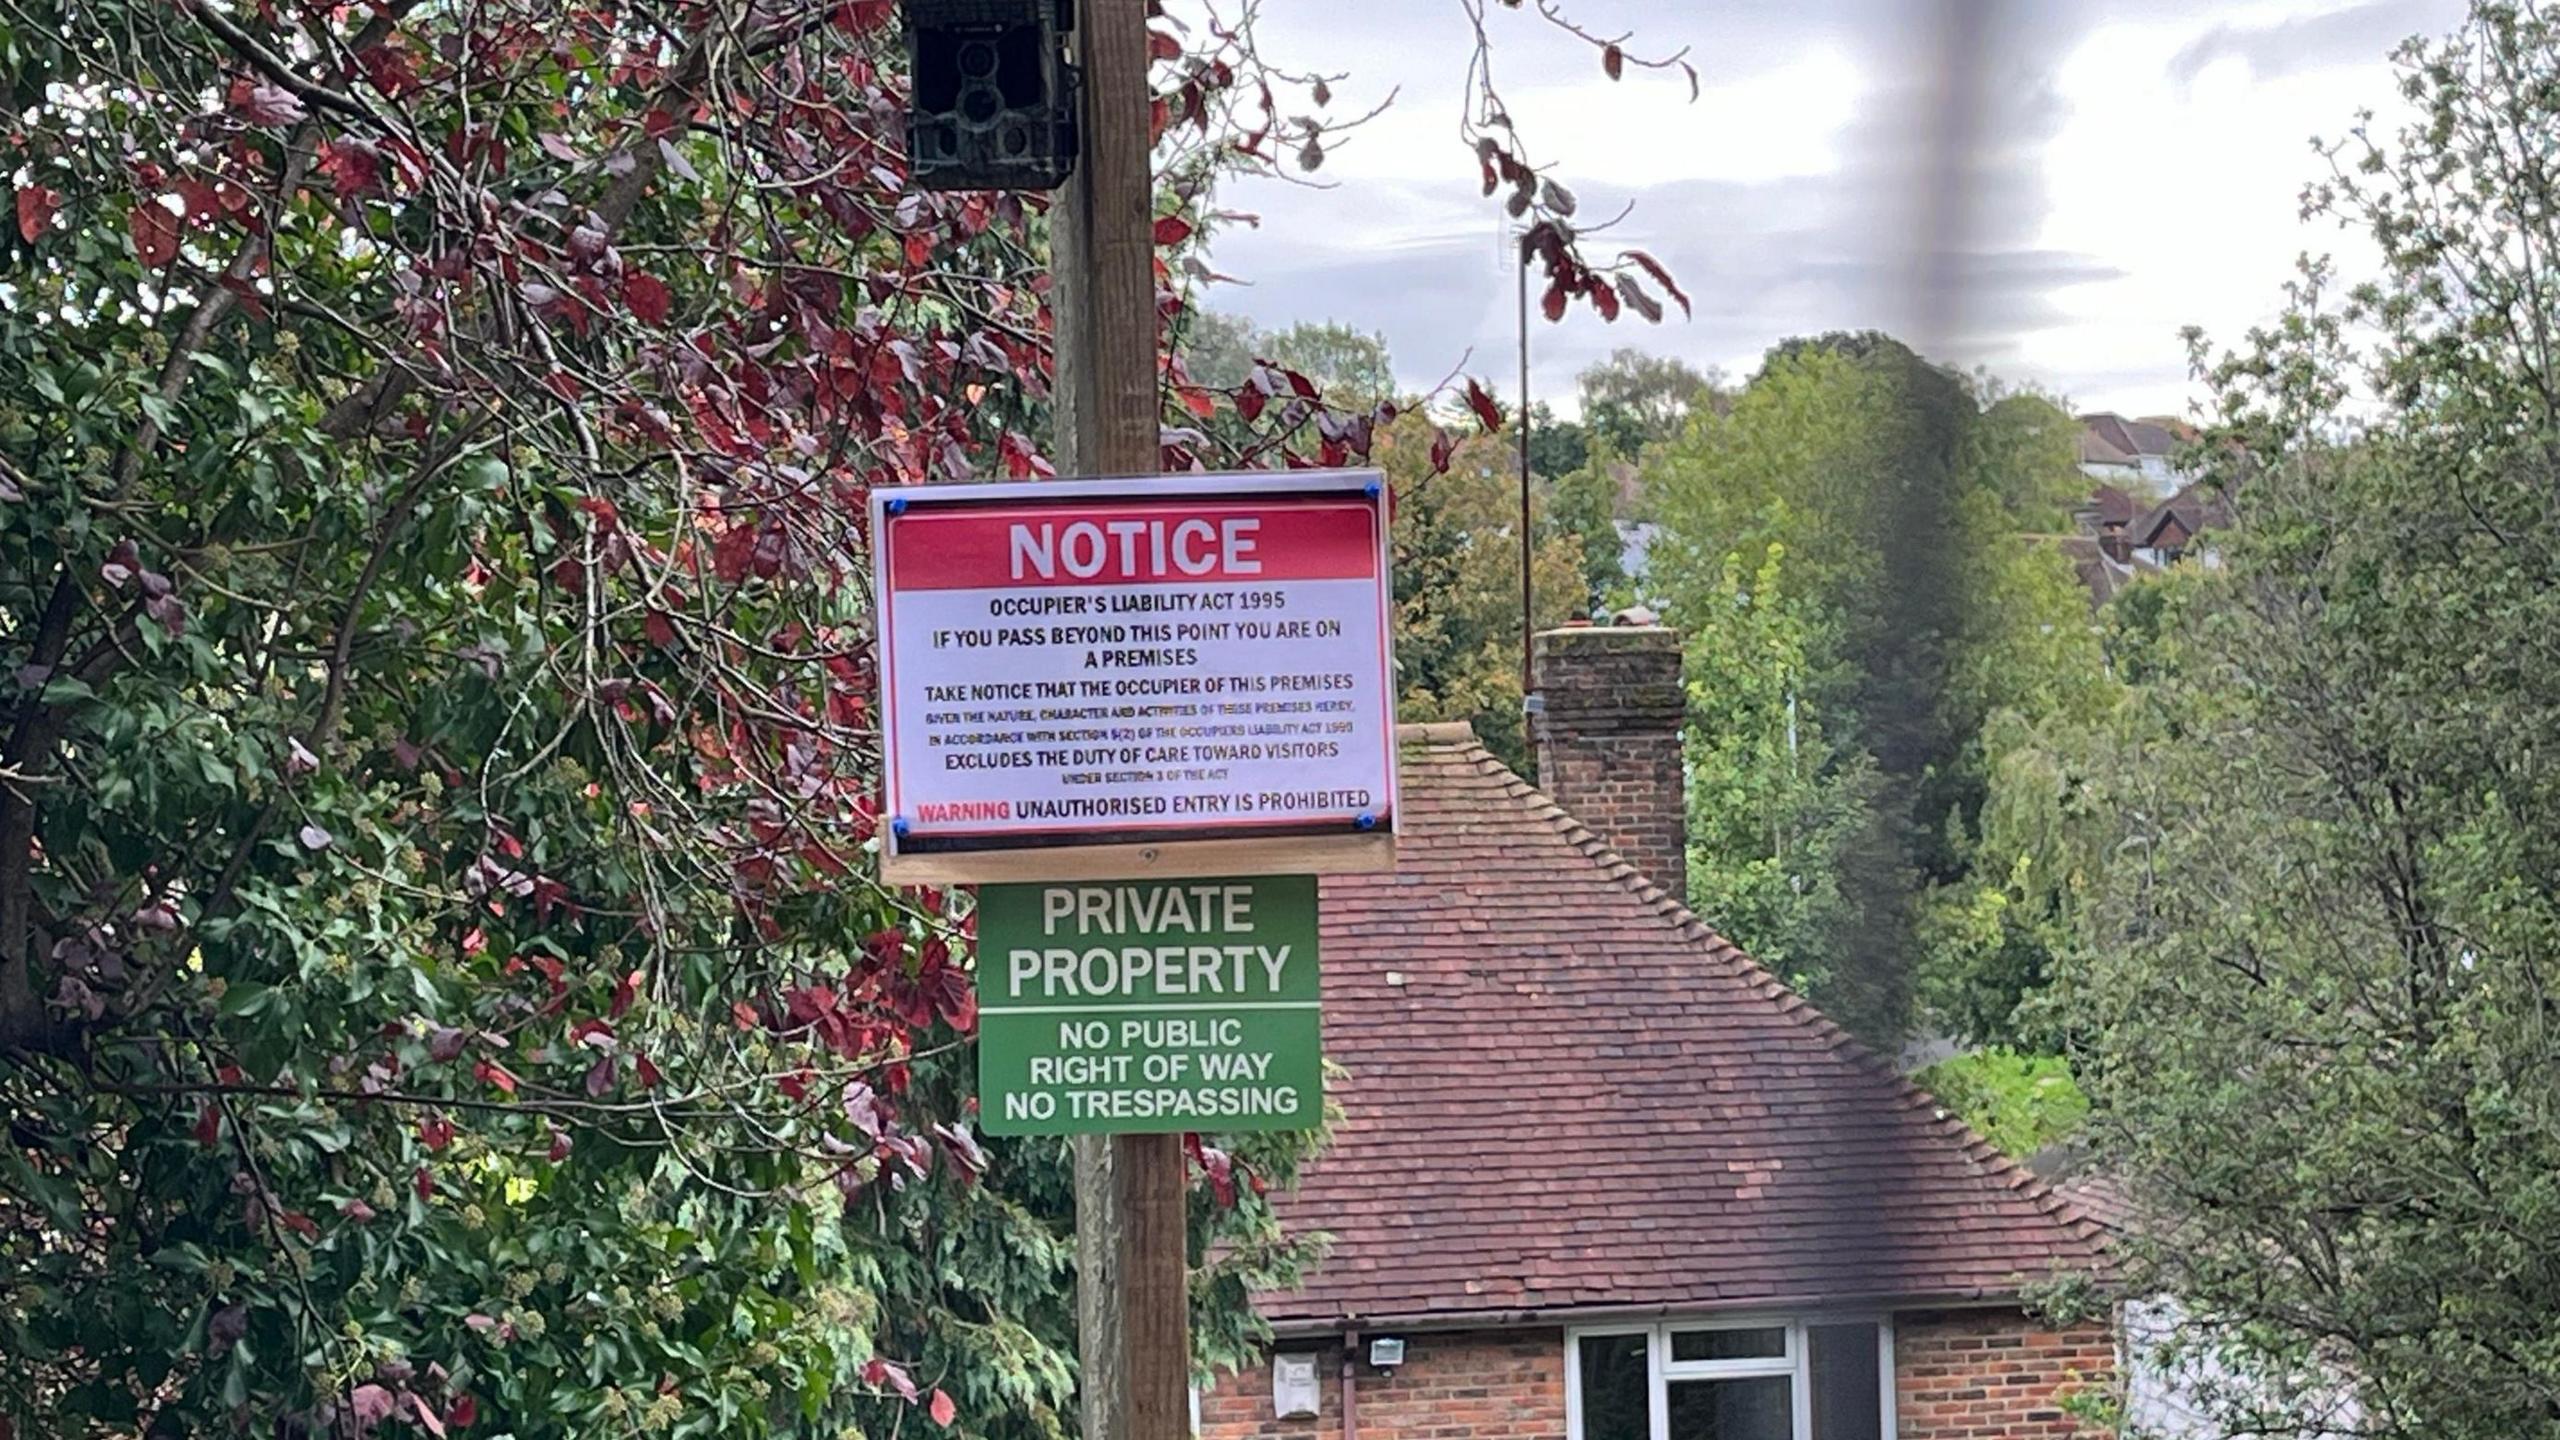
{"points": [[2136, 169]]}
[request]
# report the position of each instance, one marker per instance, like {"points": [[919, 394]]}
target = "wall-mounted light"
{"points": [[994, 103], [1386, 1353]]}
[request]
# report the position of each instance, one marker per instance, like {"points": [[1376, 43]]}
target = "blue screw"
{"points": [[897, 504], [1364, 821], [1373, 488], [898, 826]]}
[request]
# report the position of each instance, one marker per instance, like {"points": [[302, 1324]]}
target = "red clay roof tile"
{"points": [[1565, 1092]]}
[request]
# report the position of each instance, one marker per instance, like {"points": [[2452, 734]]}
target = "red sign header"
{"points": [[1133, 543]]}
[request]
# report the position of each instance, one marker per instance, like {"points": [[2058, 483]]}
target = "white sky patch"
{"points": [[2193, 190], [1645, 130]]}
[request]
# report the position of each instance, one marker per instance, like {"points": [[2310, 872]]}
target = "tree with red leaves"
{"points": [[444, 986]]}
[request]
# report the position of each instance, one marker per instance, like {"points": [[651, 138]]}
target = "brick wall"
{"points": [[1993, 1375], [1481, 1385], [1958, 1375], [1609, 740]]}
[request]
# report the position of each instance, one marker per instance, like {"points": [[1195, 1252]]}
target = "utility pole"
{"points": [[1132, 1293]]}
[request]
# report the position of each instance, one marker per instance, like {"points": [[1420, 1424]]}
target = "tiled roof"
{"points": [[2095, 449], [2127, 437], [2101, 1198], [2196, 508], [1566, 1093], [2112, 506], [2100, 573]]}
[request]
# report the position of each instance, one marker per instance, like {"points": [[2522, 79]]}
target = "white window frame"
{"points": [[1796, 1364]]}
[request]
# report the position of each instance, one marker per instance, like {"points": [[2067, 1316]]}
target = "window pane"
{"points": [[1759, 1408], [1847, 1403], [1614, 1388], [1766, 1344]]}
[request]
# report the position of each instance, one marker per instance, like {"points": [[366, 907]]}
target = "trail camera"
{"points": [[995, 99]]}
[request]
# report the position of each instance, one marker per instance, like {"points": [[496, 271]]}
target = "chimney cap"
{"points": [[1636, 615]]}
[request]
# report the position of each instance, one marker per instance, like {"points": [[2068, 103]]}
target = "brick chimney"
{"points": [[1607, 720]]}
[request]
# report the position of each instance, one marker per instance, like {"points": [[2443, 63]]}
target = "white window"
{"points": [[1826, 1378]]}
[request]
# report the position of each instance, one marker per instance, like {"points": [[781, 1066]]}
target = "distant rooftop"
{"points": [[2109, 438]]}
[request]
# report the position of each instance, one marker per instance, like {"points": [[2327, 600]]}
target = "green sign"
{"points": [[1134, 1006]]}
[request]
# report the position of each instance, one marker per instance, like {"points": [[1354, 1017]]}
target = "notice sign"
{"points": [[1078, 663], [1148, 1006]]}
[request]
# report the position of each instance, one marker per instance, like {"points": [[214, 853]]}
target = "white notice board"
{"points": [[1157, 676]]}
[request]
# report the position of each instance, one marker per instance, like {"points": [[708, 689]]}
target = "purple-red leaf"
{"points": [[648, 296], [1613, 60], [1661, 277], [1172, 230], [122, 561], [154, 234], [1482, 403], [882, 1371], [36, 207]]}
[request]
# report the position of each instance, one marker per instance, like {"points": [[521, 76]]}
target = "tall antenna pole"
{"points": [[1528, 665]]}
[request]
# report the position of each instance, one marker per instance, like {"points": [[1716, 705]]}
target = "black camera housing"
{"points": [[994, 104]]}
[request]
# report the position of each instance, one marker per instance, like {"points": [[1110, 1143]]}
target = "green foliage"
{"points": [[1894, 495], [1457, 584], [1350, 366], [2021, 1103], [1585, 505], [1556, 447], [1789, 849], [2317, 1005], [1633, 399]]}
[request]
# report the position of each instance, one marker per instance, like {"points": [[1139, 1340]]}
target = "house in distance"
{"points": [[1599, 1176]]}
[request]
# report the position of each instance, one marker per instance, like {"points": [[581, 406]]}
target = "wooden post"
{"points": [[1132, 1291]]}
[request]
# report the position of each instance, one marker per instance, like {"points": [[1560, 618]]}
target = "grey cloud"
{"points": [[2360, 32], [1760, 262]]}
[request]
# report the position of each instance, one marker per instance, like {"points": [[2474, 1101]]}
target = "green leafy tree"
{"points": [[2021, 1103], [1351, 366], [1793, 848], [1218, 348], [2317, 1009], [1557, 446], [1457, 583], [1894, 493], [1584, 504], [1633, 399]]}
